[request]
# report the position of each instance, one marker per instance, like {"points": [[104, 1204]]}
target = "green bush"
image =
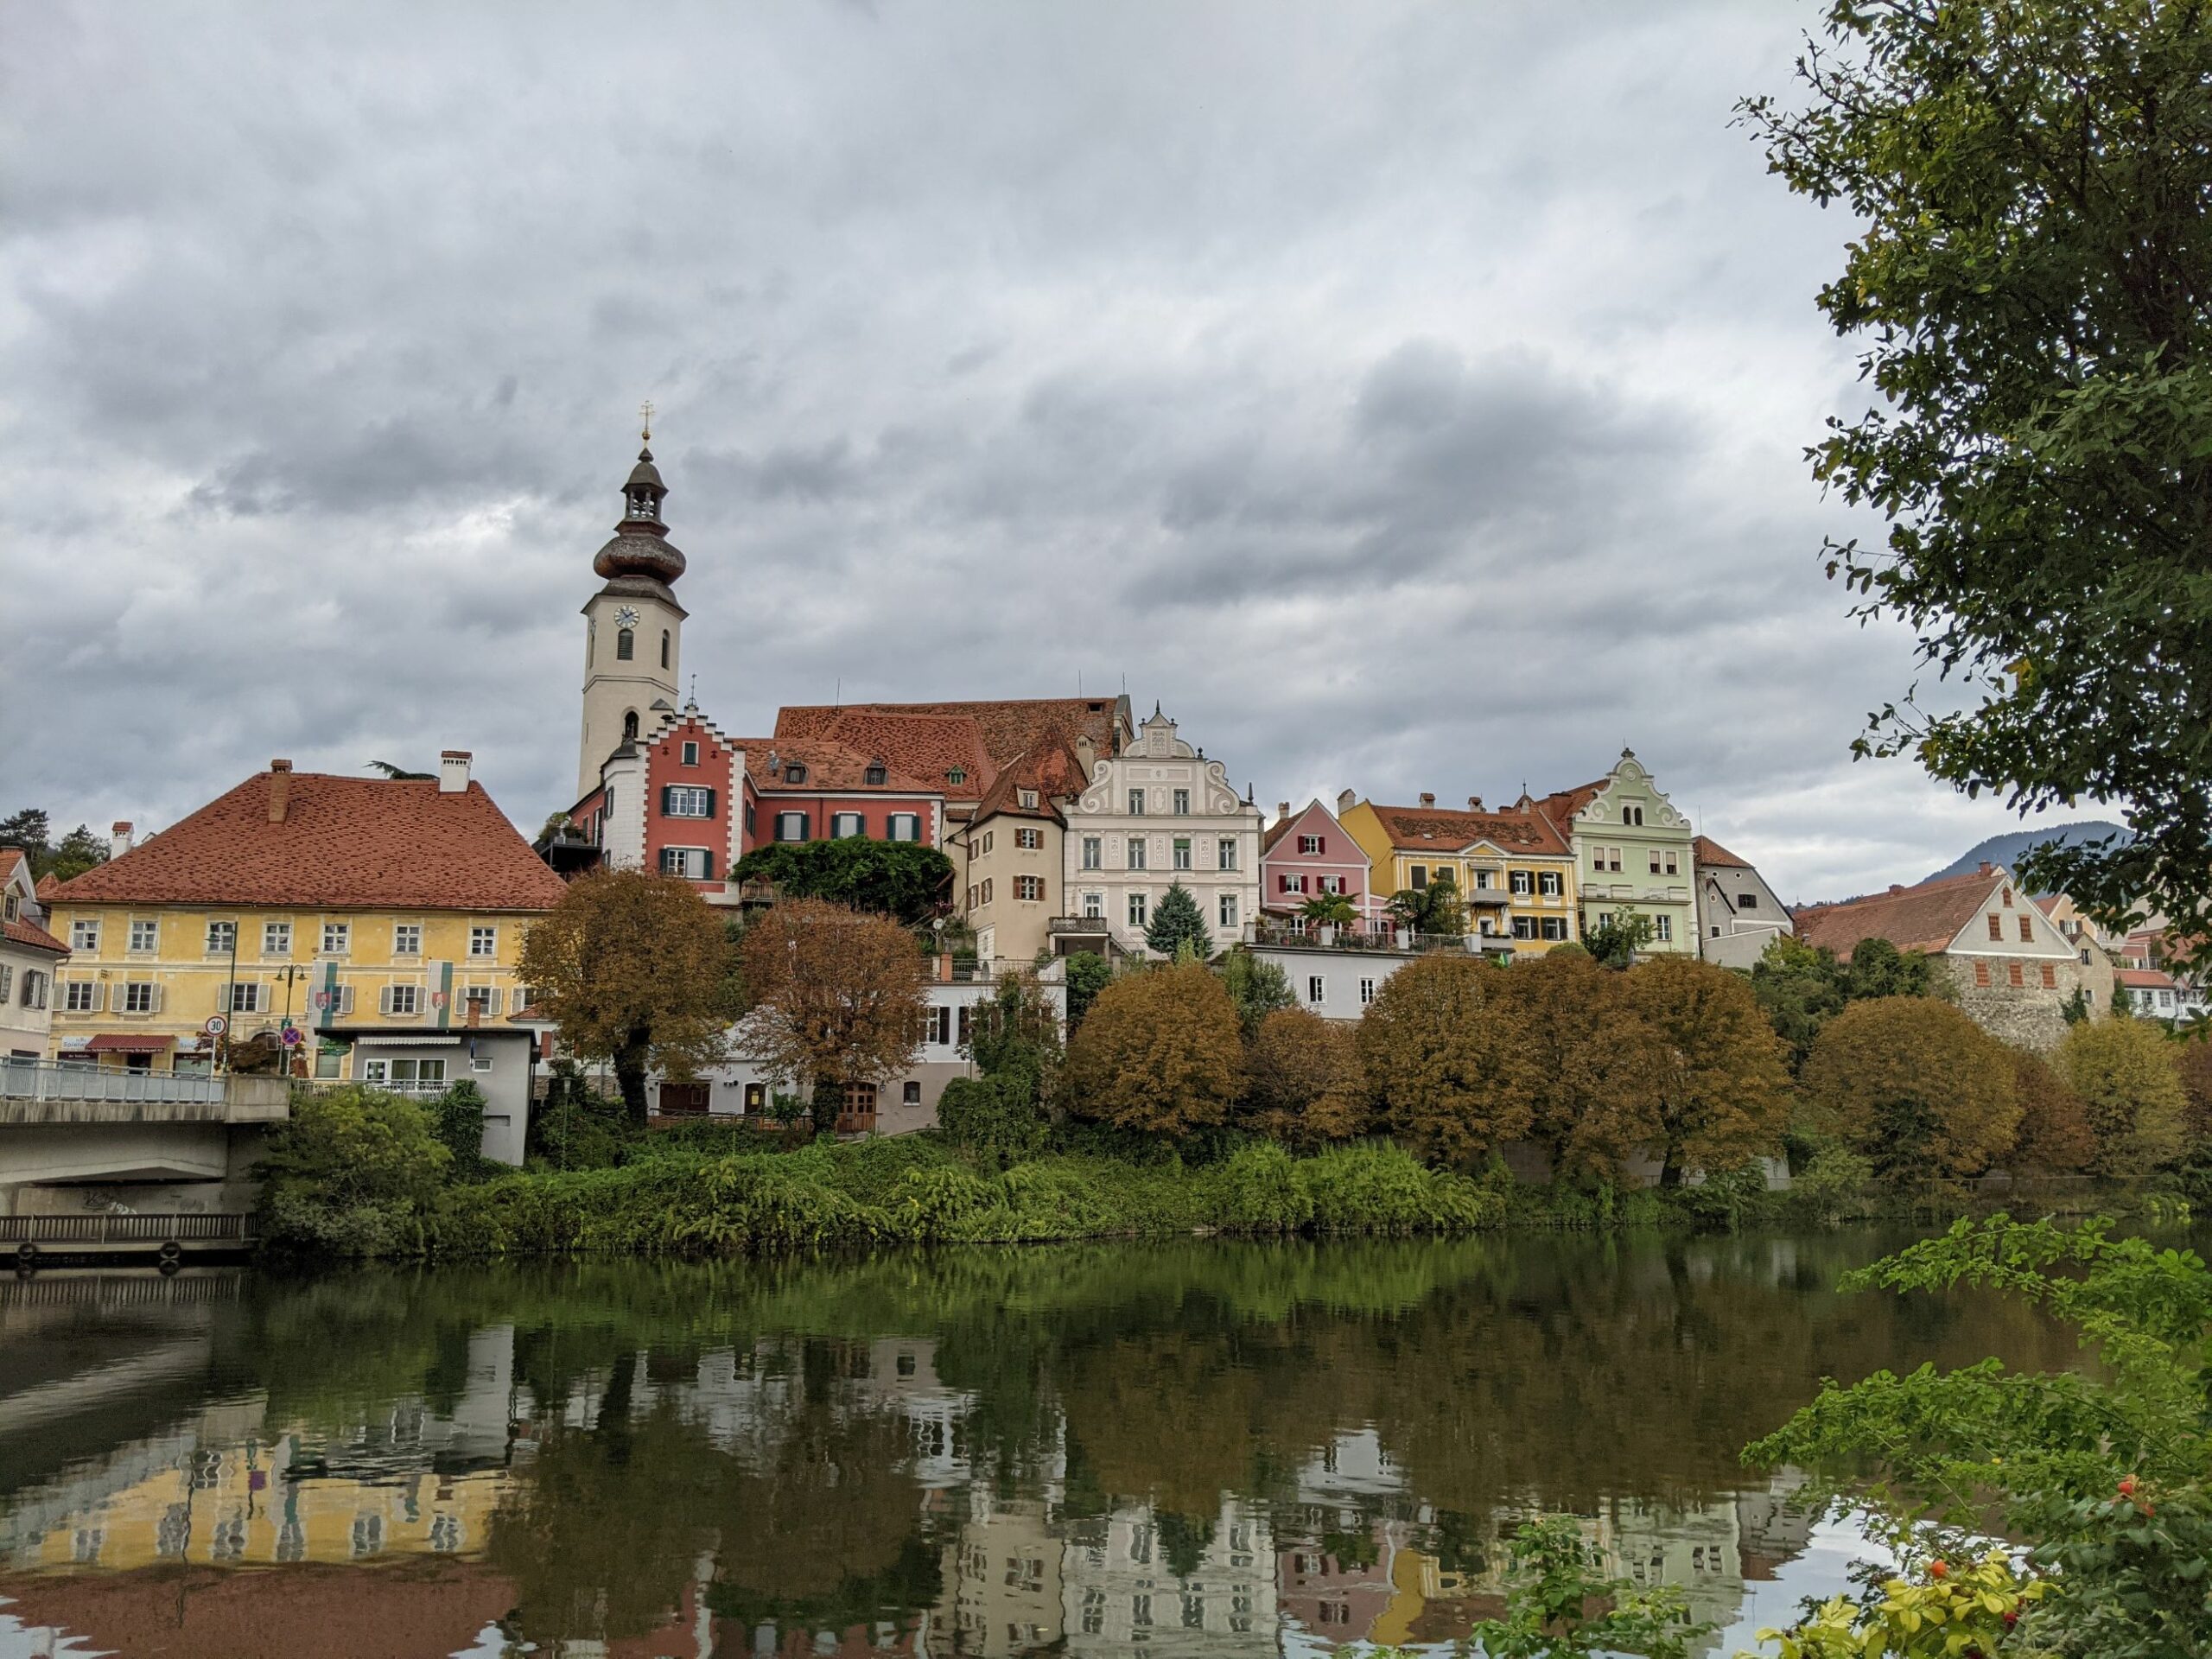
{"points": [[354, 1171], [997, 1120], [1261, 1189]]}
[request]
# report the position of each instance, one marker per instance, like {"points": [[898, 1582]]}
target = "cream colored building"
{"points": [[29, 956], [633, 629]]}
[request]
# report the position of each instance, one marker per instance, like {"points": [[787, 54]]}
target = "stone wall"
{"points": [[2028, 1016]]}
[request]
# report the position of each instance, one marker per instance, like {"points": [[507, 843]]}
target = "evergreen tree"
{"points": [[1177, 923]]}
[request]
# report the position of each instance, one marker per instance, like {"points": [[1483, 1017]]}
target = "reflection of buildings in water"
{"points": [[226, 1489], [1003, 1581], [1340, 1587], [1773, 1527], [1351, 1466], [1121, 1592]]}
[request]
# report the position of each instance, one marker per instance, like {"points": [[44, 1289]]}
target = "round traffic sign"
{"points": [[290, 1036], [216, 1025]]}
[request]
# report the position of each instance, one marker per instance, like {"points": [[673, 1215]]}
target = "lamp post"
{"points": [[229, 1010]]}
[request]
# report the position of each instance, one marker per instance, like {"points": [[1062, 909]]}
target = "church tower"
{"points": [[634, 628]]}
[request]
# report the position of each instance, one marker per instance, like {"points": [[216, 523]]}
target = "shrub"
{"points": [[1259, 1191], [1915, 1087], [457, 1119], [2130, 1089], [997, 1120], [352, 1172]]}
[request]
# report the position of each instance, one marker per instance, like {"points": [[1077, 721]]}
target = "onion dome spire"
{"points": [[640, 546]]}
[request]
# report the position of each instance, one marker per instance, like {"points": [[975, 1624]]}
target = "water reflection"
{"points": [[1200, 1450]]}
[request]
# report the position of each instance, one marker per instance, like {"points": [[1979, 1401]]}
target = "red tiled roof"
{"points": [[49, 885], [2047, 902], [828, 767], [934, 747], [1051, 769], [2146, 979], [1561, 807], [1923, 917], [9, 857], [1706, 850], [1447, 829], [1008, 726], [351, 843], [30, 933]]}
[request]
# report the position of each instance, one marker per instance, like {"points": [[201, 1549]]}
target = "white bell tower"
{"points": [[634, 628]]}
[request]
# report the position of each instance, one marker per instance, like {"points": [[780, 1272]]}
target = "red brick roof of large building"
{"points": [[834, 767], [1923, 917], [1448, 829], [946, 749], [1561, 805], [345, 843], [2146, 979], [1050, 769], [1007, 727]]}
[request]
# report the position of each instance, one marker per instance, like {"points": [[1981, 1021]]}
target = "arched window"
{"points": [[664, 647], [626, 644], [629, 720]]}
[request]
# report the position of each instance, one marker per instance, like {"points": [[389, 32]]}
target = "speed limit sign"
{"points": [[216, 1025]]}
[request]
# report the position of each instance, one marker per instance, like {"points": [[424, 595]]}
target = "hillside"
{"points": [[2008, 849]]}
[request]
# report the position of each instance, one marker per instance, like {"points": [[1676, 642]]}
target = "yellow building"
{"points": [[343, 907], [1514, 871]]}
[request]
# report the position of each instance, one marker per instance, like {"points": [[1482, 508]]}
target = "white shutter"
{"points": [[157, 997], [384, 1002], [345, 999], [99, 996], [492, 1007]]}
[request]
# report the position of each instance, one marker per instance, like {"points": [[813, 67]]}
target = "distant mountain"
{"points": [[2008, 849]]}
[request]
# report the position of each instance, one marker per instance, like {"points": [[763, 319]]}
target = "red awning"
{"points": [[129, 1042]]}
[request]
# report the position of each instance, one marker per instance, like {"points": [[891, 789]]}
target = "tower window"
{"points": [[630, 721], [664, 647], [626, 644]]}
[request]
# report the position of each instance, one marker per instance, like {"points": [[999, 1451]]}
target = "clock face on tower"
{"points": [[625, 618]]}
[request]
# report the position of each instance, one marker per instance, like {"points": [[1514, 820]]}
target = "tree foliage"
{"points": [[2031, 286], [1915, 1087], [1438, 1047], [837, 997], [2054, 1137], [903, 880], [2101, 1469], [1088, 973], [1178, 931], [353, 1172], [1582, 1066], [1617, 941], [1802, 987], [2125, 1072], [1158, 1052], [1306, 1088], [1436, 908], [633, 968], [1717, 1083], [1257, 987]]}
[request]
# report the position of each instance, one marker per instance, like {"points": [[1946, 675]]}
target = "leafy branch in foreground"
{"points": [[2104, 1474], [1559, 1605]]}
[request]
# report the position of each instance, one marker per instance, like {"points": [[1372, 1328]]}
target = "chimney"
{"points": [[1987, 868], [476, 1012], [1282, 811], [1474, 802], [453, 771], [280, 790], [118, 839], [1086, 754], [1345, 801], [1427, 799]]}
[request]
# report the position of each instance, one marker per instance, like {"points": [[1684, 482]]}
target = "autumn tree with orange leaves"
{"points": [[1915, 1086], [1161, 1052], [1583, 1065], [1438, 1044], [1306, 1086], [1718, 1088], [838, 997]]}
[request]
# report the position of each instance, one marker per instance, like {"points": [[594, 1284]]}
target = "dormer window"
{"points": [[1029, 800], [956, 775], [875, 775], [794, 772]]}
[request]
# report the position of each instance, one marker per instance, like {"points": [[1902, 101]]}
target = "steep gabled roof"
{"points": [[932, 747], [1706, 850], [1051, 769], [1923, 917], [32, 935], [1274, 832], [349, 843], [9, 858], [1432, 829], [1561, 807]]}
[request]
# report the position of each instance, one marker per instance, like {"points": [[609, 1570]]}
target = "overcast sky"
{"points": [[1408, 397]]}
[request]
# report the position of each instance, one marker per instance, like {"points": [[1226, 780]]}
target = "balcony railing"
{"points": [[43, 1091], [1367, 936]]}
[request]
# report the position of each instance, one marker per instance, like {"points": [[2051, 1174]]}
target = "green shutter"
{"points": [[445, 998]]}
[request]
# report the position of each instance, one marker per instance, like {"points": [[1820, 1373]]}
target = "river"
{"points": [[1190, 1449]]}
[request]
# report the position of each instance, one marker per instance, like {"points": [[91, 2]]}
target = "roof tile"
{"points": [[1923, 917]]}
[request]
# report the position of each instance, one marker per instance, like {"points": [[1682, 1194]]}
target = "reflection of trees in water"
{"points": [[1484, 1377]]}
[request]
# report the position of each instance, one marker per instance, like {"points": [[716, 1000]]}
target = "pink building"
{"points": [[1306, 855]]}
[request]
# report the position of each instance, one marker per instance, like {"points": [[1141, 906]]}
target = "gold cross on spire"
{"points": [[645, 409]]}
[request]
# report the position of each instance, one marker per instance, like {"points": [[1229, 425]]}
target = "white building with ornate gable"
{"points": [[1158, 813]]}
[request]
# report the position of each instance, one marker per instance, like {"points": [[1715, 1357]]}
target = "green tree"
{"points": [[1014, 1041], [1434, 909], [353, 1172], [1089, 973], [28, 830], [2027, 272], [1257, 987], [903, 880], [1158, 1052], [1617, 941], [1800, 987], [1178, 925], [1329, 910], [1879, 969], [633, 969], [75, 852], [2124, 1071]]}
